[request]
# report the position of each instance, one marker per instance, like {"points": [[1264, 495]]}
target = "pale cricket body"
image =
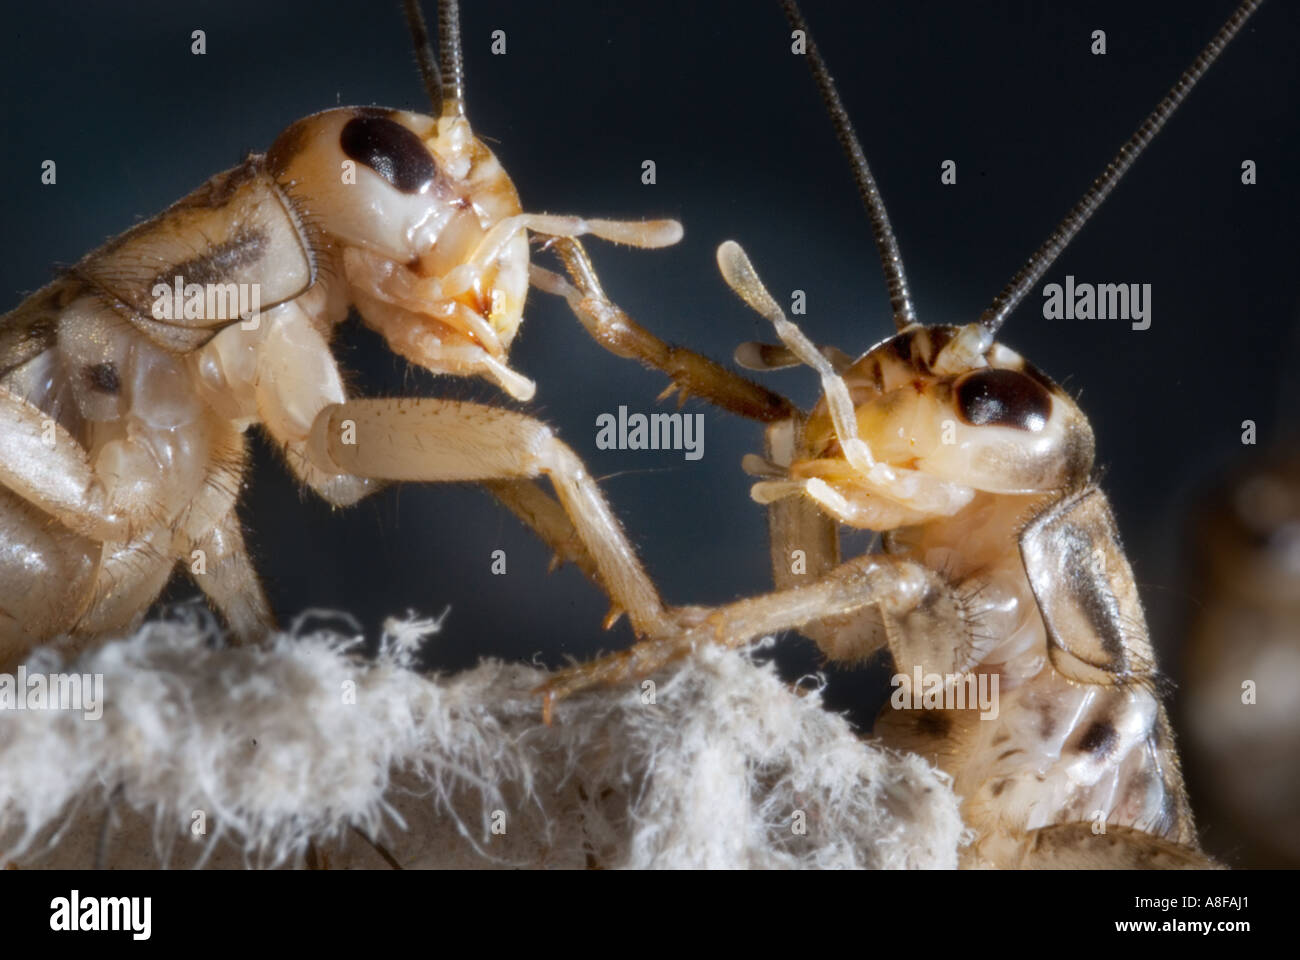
{"points": [[123, 413], [1001, 565]]}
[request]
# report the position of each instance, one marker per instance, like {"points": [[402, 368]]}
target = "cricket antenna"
{"points": [[891, 260], [424, 57], [1043, 258], [453, 63]]}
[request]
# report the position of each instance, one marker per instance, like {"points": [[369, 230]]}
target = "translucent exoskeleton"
{"points": [[127, 385], [1000, 569]]}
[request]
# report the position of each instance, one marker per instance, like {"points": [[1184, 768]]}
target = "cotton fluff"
{"points": [[303, 752]]}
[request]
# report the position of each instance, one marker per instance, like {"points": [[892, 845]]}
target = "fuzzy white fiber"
{"points": [[303, 752]]}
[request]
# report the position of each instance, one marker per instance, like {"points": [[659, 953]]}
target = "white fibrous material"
{"points": [[305, 753]]}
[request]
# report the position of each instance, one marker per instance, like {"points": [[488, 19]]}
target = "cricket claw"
{"points": [[676, 640], [612, 617]]}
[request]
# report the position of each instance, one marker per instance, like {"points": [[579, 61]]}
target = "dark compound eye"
{"points": [[1003, 398], [389, 149]]}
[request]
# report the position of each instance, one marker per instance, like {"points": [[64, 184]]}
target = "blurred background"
{"points": [[711, 93]]}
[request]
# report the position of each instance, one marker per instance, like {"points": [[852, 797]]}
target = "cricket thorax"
{"points": [[1048, 750]]}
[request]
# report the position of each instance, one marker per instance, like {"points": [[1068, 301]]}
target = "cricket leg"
{"points": [[805, 545], [753, 355], [299, 378], [692, 373], [225, 574], [44, 464], [447, 441], [130, 577], [544, 515], [897, 586]]}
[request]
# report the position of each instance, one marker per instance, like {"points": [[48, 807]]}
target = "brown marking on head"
{"points": [[997, 788], [1009, 753], [877, 375], [291, 142], [938, 338]]}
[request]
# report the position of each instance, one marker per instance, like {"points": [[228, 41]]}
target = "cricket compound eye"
{"points": [[391, 150], [1003, 398]]}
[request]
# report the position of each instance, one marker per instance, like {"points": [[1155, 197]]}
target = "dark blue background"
{"points": [[711, 92]]}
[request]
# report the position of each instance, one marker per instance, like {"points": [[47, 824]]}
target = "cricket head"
{"points": [[426, 228], [911, 430], [930, 416], [421, 222]]}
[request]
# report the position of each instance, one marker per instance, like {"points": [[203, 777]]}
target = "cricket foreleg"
{"points": [[804, 544], [895, 586], [446, 441], [691, 373], [753, 355]]}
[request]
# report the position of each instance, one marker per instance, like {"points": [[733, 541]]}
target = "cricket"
{"points": [[125, 401], [1000, 554], [138, 386]]}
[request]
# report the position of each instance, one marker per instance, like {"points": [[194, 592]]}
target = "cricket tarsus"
{"points": [[692, 373]]}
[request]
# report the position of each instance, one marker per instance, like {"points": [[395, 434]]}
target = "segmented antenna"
{"points": [[1046, 255], [453, 63], [891, 260], [424, 57]]}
